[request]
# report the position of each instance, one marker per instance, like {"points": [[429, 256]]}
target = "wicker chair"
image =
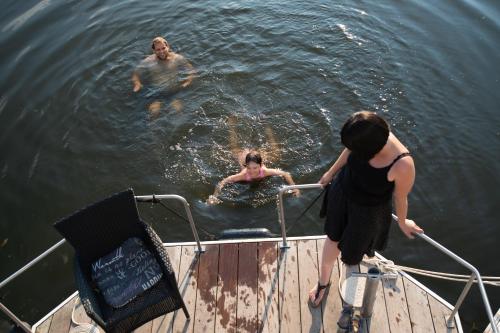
{"points": [[99, 229]]}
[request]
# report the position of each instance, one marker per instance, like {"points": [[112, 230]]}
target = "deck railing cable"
{"points": [[140, 198], [474, 272]]}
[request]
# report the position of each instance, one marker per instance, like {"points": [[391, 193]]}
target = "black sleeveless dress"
{"points": [[358, 207]]}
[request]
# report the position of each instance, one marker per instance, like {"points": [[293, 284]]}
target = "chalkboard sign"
{"points": [[126, 272]]}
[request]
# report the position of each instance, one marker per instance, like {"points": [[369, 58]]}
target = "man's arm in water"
{"points": [[136, 80], [189, 69]]}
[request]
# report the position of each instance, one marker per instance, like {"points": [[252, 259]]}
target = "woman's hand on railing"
{"points": [[325, 179], [409, 228]]}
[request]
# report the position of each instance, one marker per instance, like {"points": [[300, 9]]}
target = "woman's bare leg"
{"points": [[328, 257], [233, 142], [272, 154]]}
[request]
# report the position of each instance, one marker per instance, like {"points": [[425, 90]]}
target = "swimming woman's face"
{"points": [[253, 169]]}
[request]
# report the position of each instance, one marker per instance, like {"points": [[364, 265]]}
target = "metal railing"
{"points": [[139, 198], [474, 272], [153, 198], [281, 210]]}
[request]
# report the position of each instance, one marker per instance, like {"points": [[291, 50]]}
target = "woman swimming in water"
{"points": [[252, 166]]}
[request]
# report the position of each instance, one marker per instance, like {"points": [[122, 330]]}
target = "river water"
{"points": [[72, 131]]}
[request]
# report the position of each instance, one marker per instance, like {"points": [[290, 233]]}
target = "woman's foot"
{"points": [[316, 294]]}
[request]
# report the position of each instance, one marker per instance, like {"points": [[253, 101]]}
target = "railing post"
{"points": [[281, 210], [281, 216], [465, 291], [148, 198], [193, 227]]}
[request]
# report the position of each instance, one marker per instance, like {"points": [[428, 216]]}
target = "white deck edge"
{"points": [[54, 310], [276, 239]]}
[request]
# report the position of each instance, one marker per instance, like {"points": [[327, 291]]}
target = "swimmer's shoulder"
{"points": [[149, 60]]}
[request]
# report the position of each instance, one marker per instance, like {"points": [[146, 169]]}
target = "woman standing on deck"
{"points": [[373, 168]]}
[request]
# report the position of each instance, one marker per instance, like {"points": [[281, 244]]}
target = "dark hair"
{"points": [[365, 134], [253, 156]]}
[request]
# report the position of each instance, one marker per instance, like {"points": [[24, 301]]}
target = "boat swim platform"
{"points": [[250, 285]]}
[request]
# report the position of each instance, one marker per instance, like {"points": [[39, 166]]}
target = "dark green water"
{"points": [[72, 131]]}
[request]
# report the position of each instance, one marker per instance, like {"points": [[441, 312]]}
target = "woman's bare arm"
{"points": [[339, 163], [286, 175], [230, 179], [404, 177]]}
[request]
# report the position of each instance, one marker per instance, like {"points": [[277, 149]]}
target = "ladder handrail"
{"points": [[461, 261], [151, 198], [139, 198]]}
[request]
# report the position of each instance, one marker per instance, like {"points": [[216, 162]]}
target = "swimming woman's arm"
{"points": [[284, 174], [404, 177], [339, 163], [231, 179]]}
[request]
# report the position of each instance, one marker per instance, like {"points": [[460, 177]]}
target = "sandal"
{"points": [[316, 295]]}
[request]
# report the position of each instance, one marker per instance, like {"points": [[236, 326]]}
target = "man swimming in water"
{"points": [[167, 70]]}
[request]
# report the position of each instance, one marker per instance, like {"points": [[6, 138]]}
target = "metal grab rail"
{"points": [[152, 198], [281, 211], [475, 273], [139, 198]]}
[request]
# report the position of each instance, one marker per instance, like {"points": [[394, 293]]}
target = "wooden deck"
{"points": [[251, 287]]}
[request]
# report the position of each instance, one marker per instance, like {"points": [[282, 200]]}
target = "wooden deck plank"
{"points": [[242, 287], [332, 303], [246, 319], [187, 287], [268, 308], [379, 322], [164, 323], [397, 307], [439, 315], [225, 317], [45, 326], [418, 306], [307, 254], [61, 320], [207, 290], [289, 289]]}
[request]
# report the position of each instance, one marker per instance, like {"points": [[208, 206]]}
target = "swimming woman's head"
{"points": [[253, 163], [365, 134]]}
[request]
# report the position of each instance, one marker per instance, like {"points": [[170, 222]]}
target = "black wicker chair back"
{"points": [[96, 231]]}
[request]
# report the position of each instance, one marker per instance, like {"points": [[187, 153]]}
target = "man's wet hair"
{"points": [[159, 40], [253, 156], [365, 134]]}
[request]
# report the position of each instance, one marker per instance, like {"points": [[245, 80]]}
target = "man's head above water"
{"points": [[160, 47]]}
